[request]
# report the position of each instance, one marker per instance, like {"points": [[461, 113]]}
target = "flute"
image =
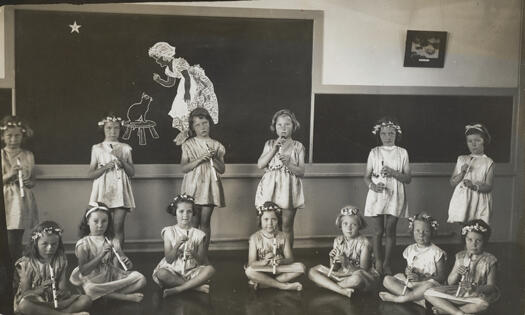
{"points": [[213, 172], [117, 255], [20, 179], [466, 263], [406, 281], [274, 248], [53, 286], [184, 257], [114, 158]]}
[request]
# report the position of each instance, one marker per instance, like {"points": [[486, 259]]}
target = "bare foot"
{"points": [[387, 296], [135, 297], [169, 291], [294, 286], [205, 288], [81, 313], [254, 285], [348, 292], [437, 310], [420, 303]]}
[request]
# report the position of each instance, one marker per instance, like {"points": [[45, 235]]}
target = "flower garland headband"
{"points": [[110, 119], [13, 124], [46, 231], [349, 210], [183, 198], [389, 123], [268, 206], [425, 218], [473, 228], [95, 208]]}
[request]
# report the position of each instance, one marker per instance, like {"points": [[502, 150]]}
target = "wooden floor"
{"points": [[231, 295]]}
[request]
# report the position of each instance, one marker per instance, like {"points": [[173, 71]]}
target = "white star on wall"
{"points": [[75, 27]]}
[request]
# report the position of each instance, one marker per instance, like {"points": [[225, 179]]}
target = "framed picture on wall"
{"points": [[425, 49]]}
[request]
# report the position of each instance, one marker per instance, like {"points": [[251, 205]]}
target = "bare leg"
{"points": [[267, 281], [323, 281], [297, 269], [396, 287], [119, 216], [473, 308], [390, 242], [288, 221], [27, 306], [205, 223], [355, 281], [204, 275], [377, 241], [14, 241], [130, 297], [168, 279], [83, 302], [196, 219], [132, 288], [442, 306]]}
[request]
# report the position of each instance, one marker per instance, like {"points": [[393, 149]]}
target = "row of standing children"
{"points": [[280, 183]]}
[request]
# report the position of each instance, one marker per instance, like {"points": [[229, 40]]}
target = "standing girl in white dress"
{"points": [[351, 266], [270, 258], [185, 264], [194, 90], [472, 179], [103, 268], [111, 167], [387, 172], [21, 212], [283, 163], [425, 264]]}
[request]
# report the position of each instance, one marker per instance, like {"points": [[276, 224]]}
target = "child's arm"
{"points": [[202, 257], [25, 280], [368, 179], [94, 170], [187, 85], [30, 181], [269, 152], [404, 176], [457, 271], [298, 170], [458, 174], [218, 160], [126, 162], [187, 165], [440, 272], [252, 257], [171, 251], [288, 254], [169, 82], [482, 187], [11, 174], [86, 266]]}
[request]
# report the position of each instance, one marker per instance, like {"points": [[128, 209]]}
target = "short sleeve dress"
{"points": [[264, 245], [39, 273], [114, 186], [190, 267], [107, 277], [467, 204], [474, 288], [199, 182], [393, 200], [279, 184], [21, 212], [423, 260], [351, 249]]}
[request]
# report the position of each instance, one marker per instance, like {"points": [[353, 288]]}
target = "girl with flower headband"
{"points": [[194, 90], [351, 267], [472, 179], [283, 162], [18, 179], [387, 172], [472, 282], [40, 276], [270, 258], [425, 264], [185, 264], [103, 268], [110, 168], [202, 162]]}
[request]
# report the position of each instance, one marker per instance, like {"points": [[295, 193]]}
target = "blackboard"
{"points": [[66, 81], [432, 125], [5, 102]]}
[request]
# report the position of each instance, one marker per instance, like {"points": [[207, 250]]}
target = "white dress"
{"points": [[423, 260], [467, 204], [393, 199], [113, 187]]}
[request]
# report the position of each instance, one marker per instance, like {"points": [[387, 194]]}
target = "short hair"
{"points": [[388, 120], [174, 204], [201, 113], [48, 227], [426, 218], [478, 129], [14, 121], [161, 50], [270, 206], [83, 228], [285, 112], [350, 211], [477, 226]]}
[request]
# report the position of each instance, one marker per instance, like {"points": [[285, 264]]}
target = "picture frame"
{"points": [[425, 49]]}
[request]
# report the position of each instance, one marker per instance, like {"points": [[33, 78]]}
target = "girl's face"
{"points": [[388, 136], [111, 130], [350, 226], [284, 126], [475, 143], [48, 245], [12, 137], [161, 61], [474, 243], [184, 213], [422, 233], [269, 222], [201, 127], [98, 223]]}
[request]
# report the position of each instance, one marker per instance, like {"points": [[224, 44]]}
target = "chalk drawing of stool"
{"points": [[141, 127]]}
